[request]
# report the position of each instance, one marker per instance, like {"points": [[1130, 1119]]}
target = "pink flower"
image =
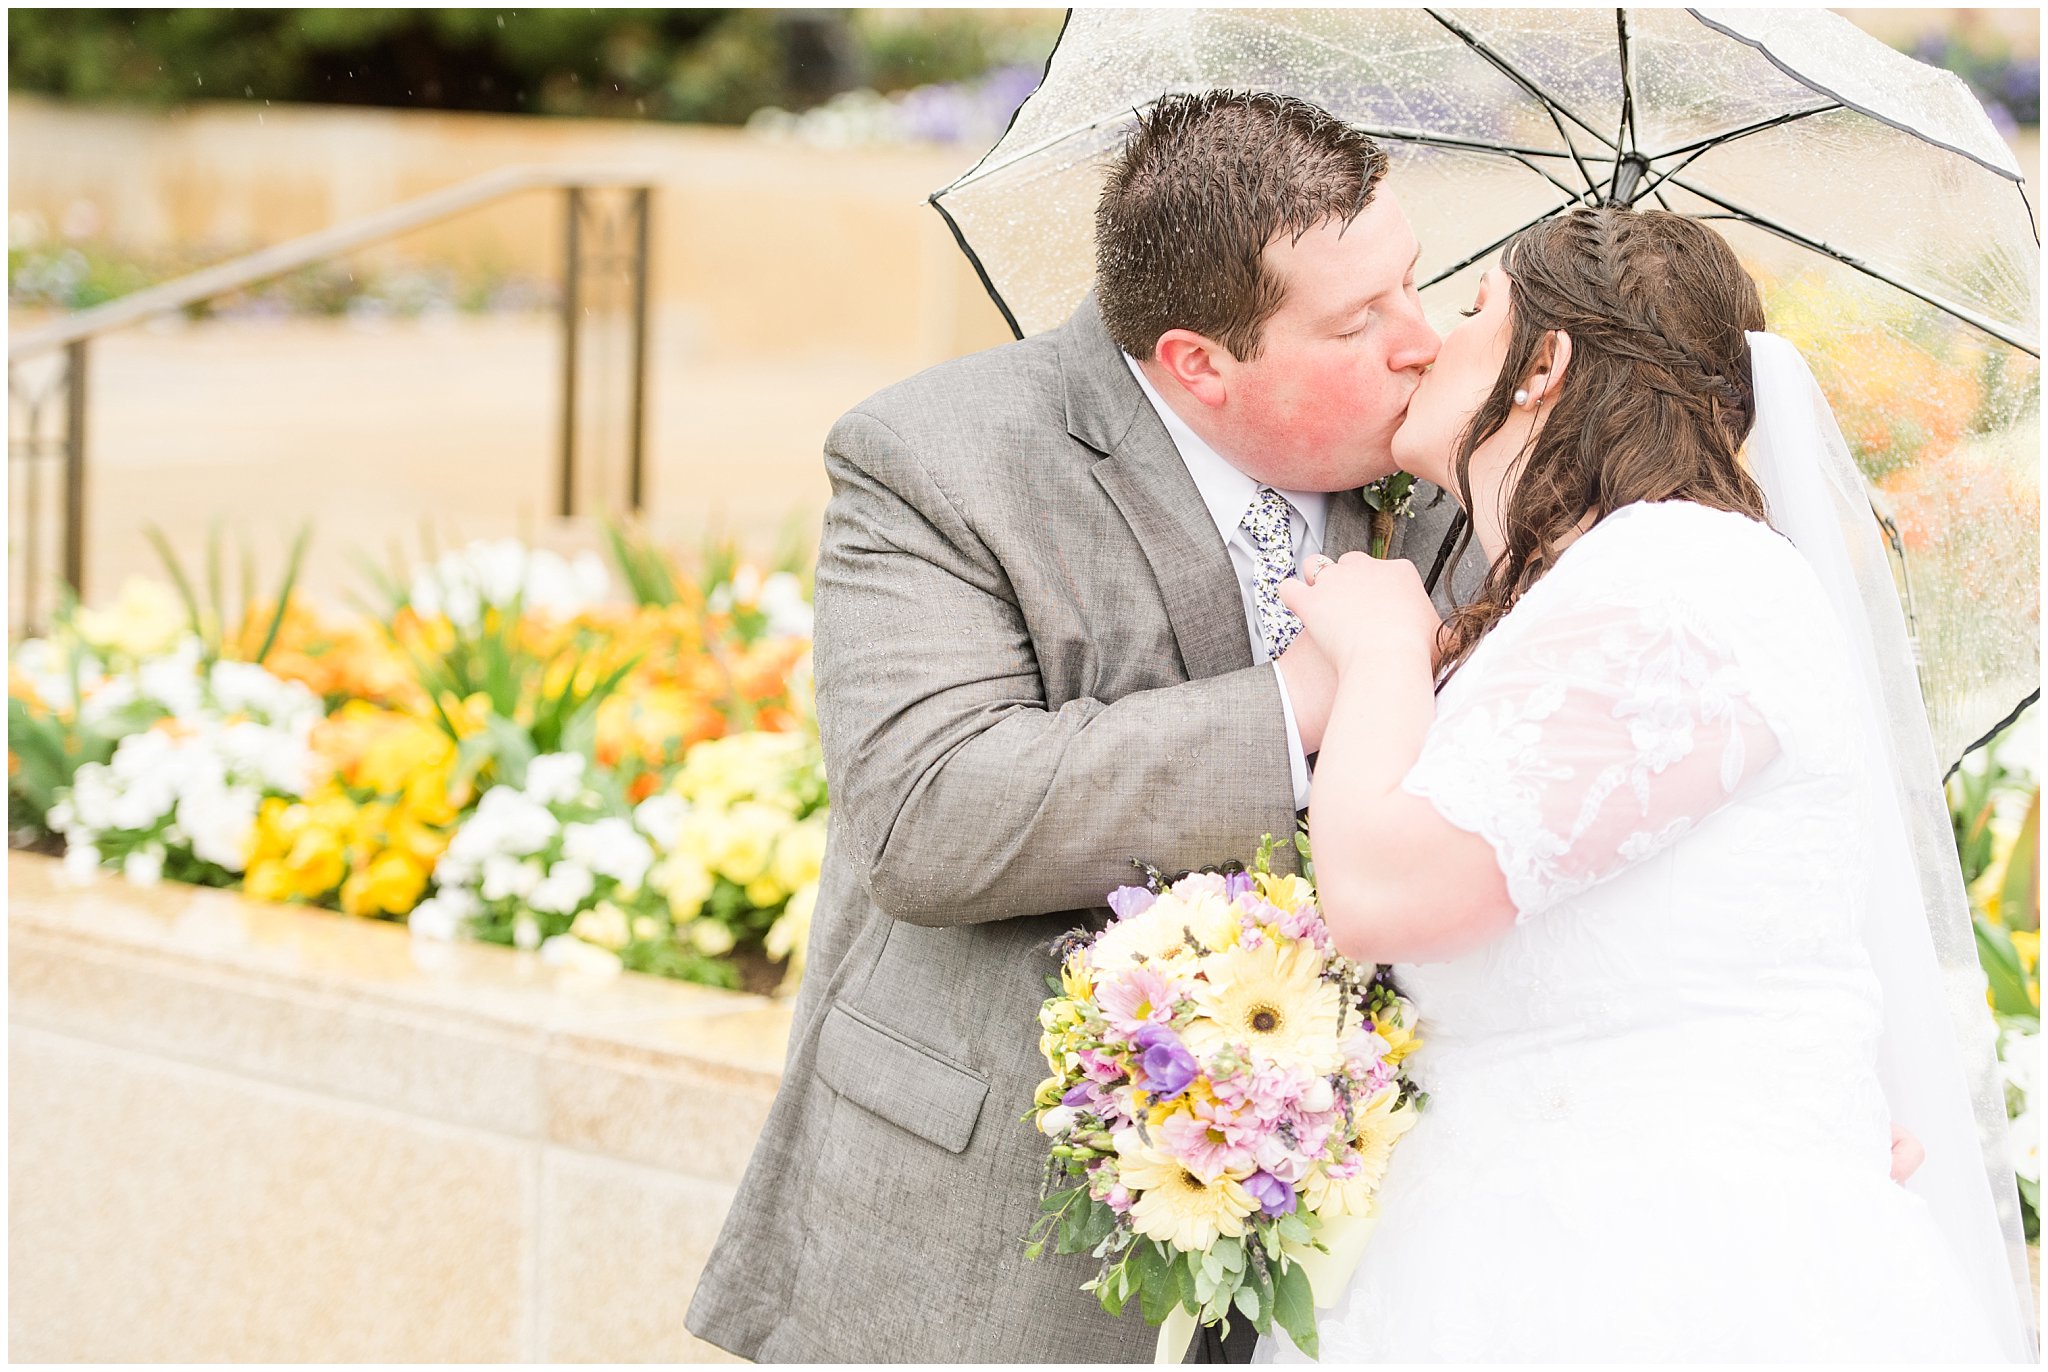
{"points": [[1211, 882], [1099, 1067], [1132, 999], [1210, 1142]]}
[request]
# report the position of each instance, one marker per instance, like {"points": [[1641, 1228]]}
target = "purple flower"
{"points": [[1127, 901], [1238, 884], [1081, 1095], [1275, 1197], [1168, 1066]]}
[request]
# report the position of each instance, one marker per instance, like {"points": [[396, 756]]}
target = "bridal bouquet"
{"points": [[1225, 1086]]}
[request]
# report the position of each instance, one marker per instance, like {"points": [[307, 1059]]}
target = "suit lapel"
{"points": [[1142, 472], [1348, 527]]}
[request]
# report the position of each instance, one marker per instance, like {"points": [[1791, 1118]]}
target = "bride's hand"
{"points": [[1363, 604]]}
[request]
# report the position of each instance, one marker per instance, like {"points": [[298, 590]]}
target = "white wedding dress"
{"points": [[1655, 1129]]}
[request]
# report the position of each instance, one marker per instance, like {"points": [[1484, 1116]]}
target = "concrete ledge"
{"points": [[241, 1131]]}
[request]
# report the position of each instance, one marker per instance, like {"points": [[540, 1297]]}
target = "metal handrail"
{"points": [[73, 336], [209, 282]]}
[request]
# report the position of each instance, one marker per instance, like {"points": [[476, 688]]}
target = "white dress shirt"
{"points": [[1228, 493]]}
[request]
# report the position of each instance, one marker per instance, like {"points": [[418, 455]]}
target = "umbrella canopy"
{"points": [[1883, 216]]}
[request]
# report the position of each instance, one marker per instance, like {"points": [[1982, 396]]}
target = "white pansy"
{"points": [[2024, 1137], [432, 919], [566, 950], [506, 821], [144, 866], [81, 862], [508, 878], [660, 817], [782, 601], [567, 885], [554, 778], [220, 820], [610, 848], [495, 572]]}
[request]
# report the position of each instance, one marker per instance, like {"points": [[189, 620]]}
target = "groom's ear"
{"points": [[1552, 358], [1197, 363]]}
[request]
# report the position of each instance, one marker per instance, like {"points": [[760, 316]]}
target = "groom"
{"points": [[1048, 644]]}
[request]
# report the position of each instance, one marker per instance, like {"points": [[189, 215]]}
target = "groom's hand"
{"points": [[1311, 690]]}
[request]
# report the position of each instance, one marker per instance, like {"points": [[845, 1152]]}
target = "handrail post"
{"points": [[636, 434], [572, 311], [74, 468]]}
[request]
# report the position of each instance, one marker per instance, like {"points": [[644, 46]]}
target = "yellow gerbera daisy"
{"points": [[1162, 930], [1380, 1126], [1174, 1205], [1272, 1000]]}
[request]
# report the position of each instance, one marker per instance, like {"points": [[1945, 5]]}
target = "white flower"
{"points": [[782, 601], [144, 866], [566, 950], [81, 863], [525, 932], [506, 821], [434, 918], [568, 885], [610, 848], [660, 817], [1058, 1121], [554, 777], [219, 820], [508, 878], [2024, 1138], [2020, 1058]]}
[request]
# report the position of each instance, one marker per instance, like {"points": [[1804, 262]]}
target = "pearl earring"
{"points": [[1521, 398]]}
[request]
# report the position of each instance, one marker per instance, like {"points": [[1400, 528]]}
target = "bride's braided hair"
{"points": [[1656, 399]]}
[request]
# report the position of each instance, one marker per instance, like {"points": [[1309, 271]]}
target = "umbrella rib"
{"points": [[1865, 110], [1962, 312], [1626, 134], [979, 270], [1520, 155], [1763, 126], [1452, 271], [1551, 106]]}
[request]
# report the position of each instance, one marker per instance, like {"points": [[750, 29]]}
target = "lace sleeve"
{"points": [[1590, 735]]}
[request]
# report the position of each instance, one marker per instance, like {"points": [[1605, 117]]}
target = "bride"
{"points": [[1646, 828]]}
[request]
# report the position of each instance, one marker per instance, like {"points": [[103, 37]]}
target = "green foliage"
{"points": [[224, 631], [711, 65]]}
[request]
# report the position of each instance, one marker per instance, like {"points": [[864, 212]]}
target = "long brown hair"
{"points": [[1202, 185], [1656, 398]]}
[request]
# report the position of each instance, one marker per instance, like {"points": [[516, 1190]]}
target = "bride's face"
{"points": [[1455, 386]]}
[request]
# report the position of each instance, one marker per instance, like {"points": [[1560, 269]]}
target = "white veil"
{"points": [[1940, 1070]]}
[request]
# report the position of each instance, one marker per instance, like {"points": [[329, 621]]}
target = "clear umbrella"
{"points": [[1881, 212]]}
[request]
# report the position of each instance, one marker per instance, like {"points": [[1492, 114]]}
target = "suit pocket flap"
{"points": [[903, 1082]]}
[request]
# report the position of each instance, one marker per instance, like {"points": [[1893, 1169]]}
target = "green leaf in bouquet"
{"points": [[1293, 1228], [1230, 1254], [1099, 1224], [1246, 1300], [1060, 1200], [1184, 1283], [1152, 1274], [1294, 1306], [1258, 1277]]}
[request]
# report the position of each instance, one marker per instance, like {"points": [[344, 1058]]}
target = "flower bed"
{"points": [[499, 751]]}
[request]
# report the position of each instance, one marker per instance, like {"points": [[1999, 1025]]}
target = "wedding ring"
{"points": [[1314, 567]]}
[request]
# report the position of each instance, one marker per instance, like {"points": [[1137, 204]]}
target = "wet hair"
{"points": [[1656, 398], [1203, 184]]}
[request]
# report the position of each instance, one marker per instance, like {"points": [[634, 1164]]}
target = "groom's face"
{"points": [[1317, 409]]}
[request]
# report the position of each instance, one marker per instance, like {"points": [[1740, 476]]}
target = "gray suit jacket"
{"points": [[1032, 667]]}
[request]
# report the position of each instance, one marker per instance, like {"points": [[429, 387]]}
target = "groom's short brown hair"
{"points": [[1204, 183]]}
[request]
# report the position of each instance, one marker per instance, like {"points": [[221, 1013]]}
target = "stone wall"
{"points": [[759, 247], [242, 1132]]}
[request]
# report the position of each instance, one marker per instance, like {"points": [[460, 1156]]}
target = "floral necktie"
{"points": [[1267, 524]]}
